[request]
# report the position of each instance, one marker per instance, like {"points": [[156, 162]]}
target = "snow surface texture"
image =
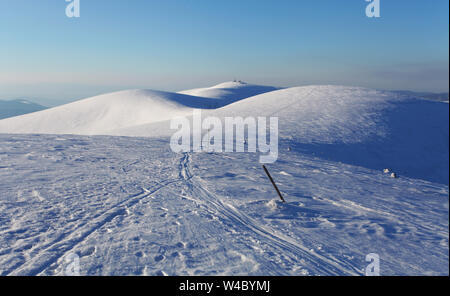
{"points": [[129, 205], [18, 107]]}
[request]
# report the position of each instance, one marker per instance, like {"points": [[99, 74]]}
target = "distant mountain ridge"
{"points": [[230, 92], [18, 107], [440, 97]]}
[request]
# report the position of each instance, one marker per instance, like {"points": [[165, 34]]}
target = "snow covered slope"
{"points": [[229, 92], [101, 114], [120, 110], [373, 129], [130, 206], [369, 128], [18, 107]]}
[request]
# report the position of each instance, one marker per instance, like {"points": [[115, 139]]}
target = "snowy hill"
{"points": [[120, 110], [101, 114], [373, 129], [18, 107]]}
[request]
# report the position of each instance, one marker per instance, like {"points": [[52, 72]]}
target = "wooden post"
{"points": [[273, 183]]}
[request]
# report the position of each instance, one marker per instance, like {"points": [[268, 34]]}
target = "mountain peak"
{"points": [[230, 91]]}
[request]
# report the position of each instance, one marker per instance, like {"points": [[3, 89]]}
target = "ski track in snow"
{"points": [[64, 245], [244, 223]]}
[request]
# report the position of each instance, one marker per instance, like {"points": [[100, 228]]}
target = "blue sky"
{"points": [[174, 45]]}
